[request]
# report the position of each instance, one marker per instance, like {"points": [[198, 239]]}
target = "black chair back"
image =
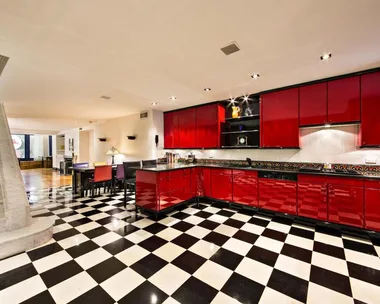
{"points": [[128, 171], [151, 162]]}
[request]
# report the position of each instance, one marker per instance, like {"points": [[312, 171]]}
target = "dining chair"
{"points": [[80, 165], [96, 164], [102, 177], [150, 162], [85, 187], [119, 176], [130, 177]]}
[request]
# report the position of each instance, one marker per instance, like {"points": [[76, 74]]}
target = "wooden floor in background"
{"points": [[35, 179]]}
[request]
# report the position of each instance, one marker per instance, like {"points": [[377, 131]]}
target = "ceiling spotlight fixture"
{"points": [[173, 98], [207, 89], [105, 97], [325, 57], [245, 98], [255, 76], [153, 103], [232, 100]]}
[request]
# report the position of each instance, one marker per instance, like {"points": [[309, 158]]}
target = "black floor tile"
{"points": [[328, 229], [66, 214], [329, 279], [208, 224], [184, 240], [189, 261], [181, 215], [249, 212], [60, 273], [242, 289], [106, 269], [145, 293], [79, 222], [182, 226], [95, 295], [226, 258], [364, 273], [262, 255], [91, 212], [225, 213], [42, 298], [204, 214], [65, 234], [115, 211], [17, 275], [59, 222], [118, 246], [302, 233], [274, 234], [234, 223], [330, 250], [152, 243], [81, 249], [194, 291], [155, 228], [360, 247], [44, 251], [283, 220], [149, 265], [216, 238], [258, 222], [199, 206], [290, 285], [91, 234], [246, 236], [106, 220], [297, 253], [123, 231]]}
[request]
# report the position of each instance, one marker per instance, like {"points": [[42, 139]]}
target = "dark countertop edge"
{"points": [[258, 169]]}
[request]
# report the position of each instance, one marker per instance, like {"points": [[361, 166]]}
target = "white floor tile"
{"points": [[116, 224], [132, 255], [237, 246], [218, 218], [74, 217], [74, 240], [279, 227], [356, 239], [362, 259], [122, 215], [256, 229], [294, 267], [169, 251], [272, 296], [241, 217], [143, 223], [169, 221], [170, 301], [328, 239], [61, 227], [226, 230], [85, 209], [106, 208], [299, 241], [204, 249], [169, 278], [365, 292], [138, 236], [330, 263], [190, 210], [106, 238], [213, 274], [98, 216], [72, 288], [195, 220], [14, 262], [211, 209], [51, 261], [255, 270], [269, 244], [222, 298], [198, 232], [93, 258], [87, 227], [317, 292], [169, 234]]}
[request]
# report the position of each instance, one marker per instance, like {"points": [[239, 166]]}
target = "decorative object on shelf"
{"points": [[102, 139], [248, 111], [242, 127], [236, 111], [242, 140], [131, 137], [113, 151]]}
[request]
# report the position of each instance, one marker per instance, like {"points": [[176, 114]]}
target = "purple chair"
{"points": [[80, 165], [119, 176]]}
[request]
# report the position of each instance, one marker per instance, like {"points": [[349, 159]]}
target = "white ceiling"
{"points": [[65, 54]]}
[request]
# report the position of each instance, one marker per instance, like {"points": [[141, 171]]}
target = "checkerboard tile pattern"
{"points": [[102, 252]]}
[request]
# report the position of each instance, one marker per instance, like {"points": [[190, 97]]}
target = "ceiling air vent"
{"points": [[143, 115], [230, 48], [3, 62]]}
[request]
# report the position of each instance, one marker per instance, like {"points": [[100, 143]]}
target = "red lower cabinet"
{"points": [[372, 204], [312, 196], [147, 190], [245, 187], [201, 181], [346, 201], [221, 184], [278, 195]]}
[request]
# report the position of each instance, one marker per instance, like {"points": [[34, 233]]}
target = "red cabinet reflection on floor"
{"points": [[312, 196], [372, 204], [245, 187], [221, 184], [346, 201]]}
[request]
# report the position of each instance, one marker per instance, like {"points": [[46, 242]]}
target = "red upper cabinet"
{"points": [[343, 100], [279, 119], [171, 130], [209, 119], [370, 94], [187, 128], [313, 104]]}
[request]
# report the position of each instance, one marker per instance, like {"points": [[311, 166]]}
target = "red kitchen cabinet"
{"points": [[372, 204], [312, 196], [279, 119], [313, 104], [201, 181], [221, 184], [208, 129], [346, 201], [147, 190], [343, 100], [245, 187], [370, 106], [171, 130], [187, 128], [278, 195]]}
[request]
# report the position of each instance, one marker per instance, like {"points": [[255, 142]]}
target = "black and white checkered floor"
{"points": [[102, 253]]}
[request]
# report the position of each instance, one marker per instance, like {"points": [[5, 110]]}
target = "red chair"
{"points": [[102, 177]]}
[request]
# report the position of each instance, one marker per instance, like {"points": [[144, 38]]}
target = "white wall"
{"points": [[323, 145], [84, 146]]}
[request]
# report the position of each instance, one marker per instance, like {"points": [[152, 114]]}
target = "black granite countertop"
{"points": [[169, 167]]}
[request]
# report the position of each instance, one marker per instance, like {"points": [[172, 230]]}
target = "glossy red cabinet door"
{"points": [[221, 184], [346, 201], [245, 187], [278, 195], [312, 196], [370, 126], [147, 190], [343, 100], [313, 104], [171, 130], [187, 128], [201, 181], [279, 119], [372, 209], [208, 130]]}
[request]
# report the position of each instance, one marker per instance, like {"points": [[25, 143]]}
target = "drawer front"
{"points": [[310, 178], [348, 181], [312, 200], [372, 183]]}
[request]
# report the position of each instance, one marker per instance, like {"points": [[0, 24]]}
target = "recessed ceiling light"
{"points": [[232, 100], [173, 98], [245, 98], [255, 76], [207, 89], [153, 103], [326, 56], [105, 97]]}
